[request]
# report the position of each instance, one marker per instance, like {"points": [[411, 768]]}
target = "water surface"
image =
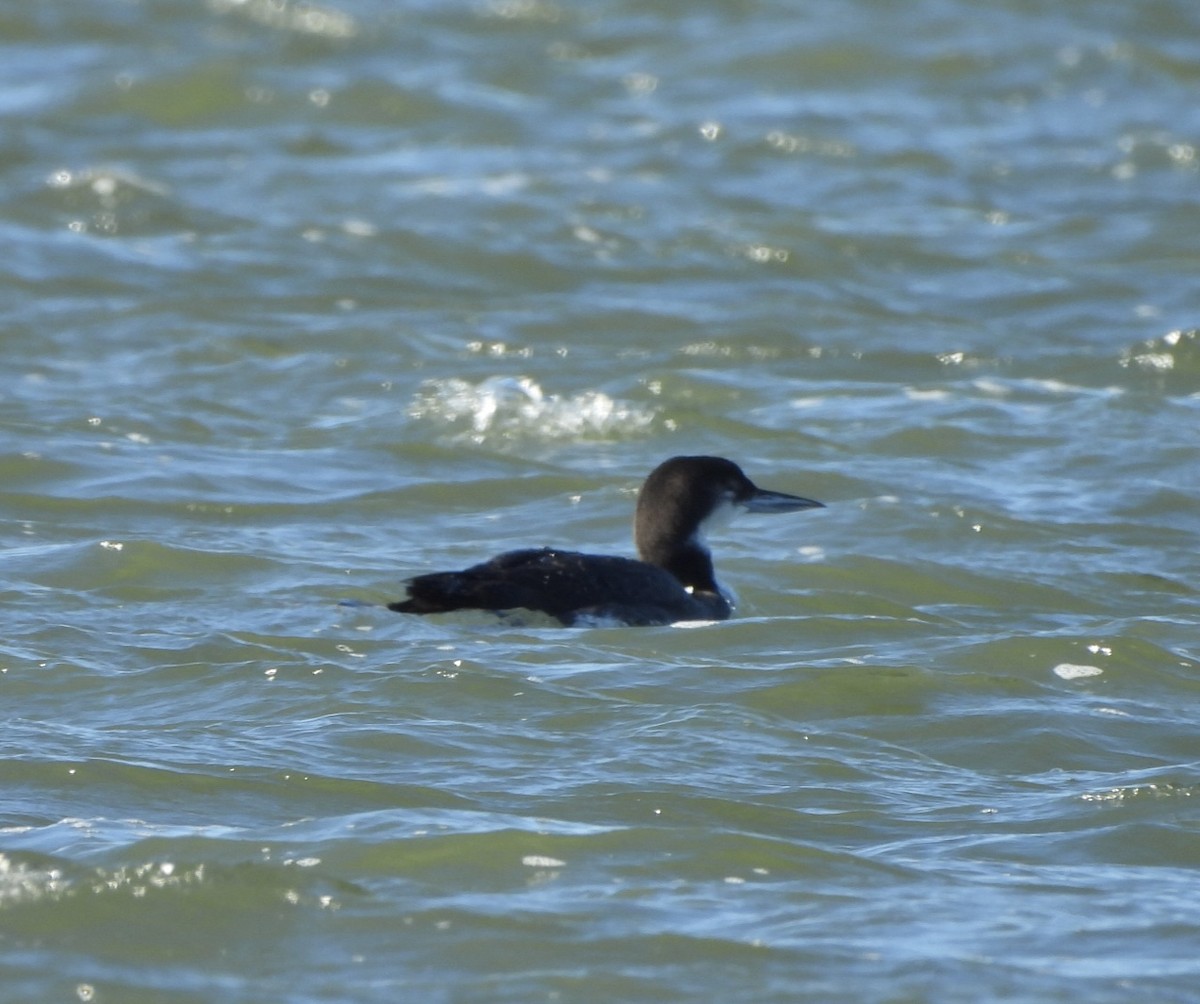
{"points": [[300, 300]]}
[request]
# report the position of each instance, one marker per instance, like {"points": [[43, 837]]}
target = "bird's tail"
{"points": [[436, 593]]}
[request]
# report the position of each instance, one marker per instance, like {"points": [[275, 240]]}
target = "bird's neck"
{"points": [[690, 563]]}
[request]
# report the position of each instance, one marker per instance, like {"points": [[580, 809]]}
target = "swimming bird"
{"points": [[672, 581]]}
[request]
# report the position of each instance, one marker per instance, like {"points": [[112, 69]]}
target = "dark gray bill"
{"points": [[767, 501]]}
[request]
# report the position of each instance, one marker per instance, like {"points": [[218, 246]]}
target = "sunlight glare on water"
{"points": [[304, 299]]}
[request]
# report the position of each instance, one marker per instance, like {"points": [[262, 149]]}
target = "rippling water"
{"points": [[300, 300]]}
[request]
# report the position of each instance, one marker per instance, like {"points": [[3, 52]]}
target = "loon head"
{"points": [[683, 496]]}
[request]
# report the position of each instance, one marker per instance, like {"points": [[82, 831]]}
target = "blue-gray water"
{"points": [[301, 300]]}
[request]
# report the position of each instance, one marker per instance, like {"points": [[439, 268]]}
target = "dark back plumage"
{"points": [[673, 581]]}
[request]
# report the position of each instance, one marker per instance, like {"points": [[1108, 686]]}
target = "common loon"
{"points": [[672, 582]]}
